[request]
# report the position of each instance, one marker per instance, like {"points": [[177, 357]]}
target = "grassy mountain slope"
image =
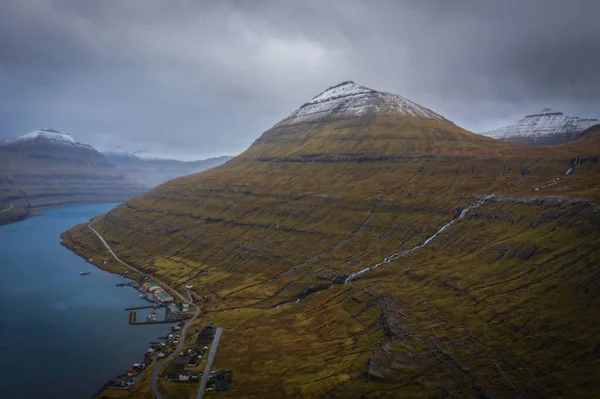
{"points": [[502, 303]]}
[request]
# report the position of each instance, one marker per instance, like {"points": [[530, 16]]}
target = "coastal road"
{"points": [[183, 331], [7, 209], [209, 361], [156, 370], [184, 299]]}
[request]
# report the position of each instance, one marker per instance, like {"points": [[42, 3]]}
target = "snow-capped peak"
{"points": [[343, 89], [349, 99], [49, 135], [547, 126]]}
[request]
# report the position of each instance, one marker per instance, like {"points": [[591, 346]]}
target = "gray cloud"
{"points": [[191, 79]]}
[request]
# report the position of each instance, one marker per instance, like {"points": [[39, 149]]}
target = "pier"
{"points": [[144, 307], [132, 320]]}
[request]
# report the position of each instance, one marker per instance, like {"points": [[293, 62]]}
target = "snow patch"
{"points": [[351, 99], [546, 123], [52, 136]]}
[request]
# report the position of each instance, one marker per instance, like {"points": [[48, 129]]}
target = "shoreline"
{"points": [[28, 211], [94, 305], [118, 267]]}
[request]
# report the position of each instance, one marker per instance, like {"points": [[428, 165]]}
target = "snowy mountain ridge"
{"points": [[349, 99], [547, 127], [52, 136]]}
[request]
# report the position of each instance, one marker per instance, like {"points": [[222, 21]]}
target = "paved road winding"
{"points": [[156, 369], [7, 209], [184, 299], [209, 361]]}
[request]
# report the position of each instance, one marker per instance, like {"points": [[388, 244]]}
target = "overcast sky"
{"points": [[193, 79]]}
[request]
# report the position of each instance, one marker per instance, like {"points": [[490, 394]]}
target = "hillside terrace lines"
{"points": [[338, 245], [332, 158], [213, 219], [556, 201]]}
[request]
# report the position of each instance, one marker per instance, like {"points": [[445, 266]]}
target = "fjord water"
{"points": [[62, 335]]}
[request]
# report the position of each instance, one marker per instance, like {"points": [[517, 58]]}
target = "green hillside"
{"points": [[501, 303]]}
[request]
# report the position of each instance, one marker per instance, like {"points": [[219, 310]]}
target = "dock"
{"points": [[144, 307], [132, 320]]}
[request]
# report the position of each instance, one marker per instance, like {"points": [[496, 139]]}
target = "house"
{"points": [[222, 374], [184, 376], [222, 386], [206, 336], [131, 373], [189, 286], [193, 361], [163, 296]]}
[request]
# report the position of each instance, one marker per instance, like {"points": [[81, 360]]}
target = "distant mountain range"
{"points": [[47, 168], [152, 172], [546, 128]]}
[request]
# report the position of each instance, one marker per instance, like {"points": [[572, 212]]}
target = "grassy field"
{"points": [[503, 303]]}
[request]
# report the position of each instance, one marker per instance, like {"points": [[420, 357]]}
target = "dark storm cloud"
{"points": [[192, 79]]}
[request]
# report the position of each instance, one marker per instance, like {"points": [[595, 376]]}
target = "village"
{"points": [[186, 366]]}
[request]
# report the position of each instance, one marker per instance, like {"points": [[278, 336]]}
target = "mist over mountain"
{"points": [[152, 172], [46, 168]]}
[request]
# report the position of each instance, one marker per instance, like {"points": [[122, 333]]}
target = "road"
{"points": [[209, 361], [183, 331], [7, 209], [155, 371], [184, 299]]}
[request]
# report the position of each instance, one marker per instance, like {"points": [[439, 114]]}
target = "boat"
{"points": [[85, 273]]}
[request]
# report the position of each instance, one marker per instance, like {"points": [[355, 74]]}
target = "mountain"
{"points": [[46, 168], [545, 128], [366, 246], [152, 172]]}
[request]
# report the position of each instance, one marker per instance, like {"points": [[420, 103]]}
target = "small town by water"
{"points": [[64, 332], [71, 330]]}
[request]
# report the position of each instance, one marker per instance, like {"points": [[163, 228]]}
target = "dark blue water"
{"points": [[62, 335]]}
